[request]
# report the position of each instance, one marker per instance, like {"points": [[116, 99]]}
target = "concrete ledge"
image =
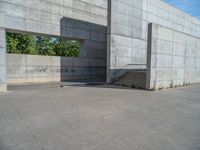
{"points": [[3, 88]]}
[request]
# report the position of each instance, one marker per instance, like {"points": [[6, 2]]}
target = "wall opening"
{"points": [[78, 54], [18, 43], [33, 58]]}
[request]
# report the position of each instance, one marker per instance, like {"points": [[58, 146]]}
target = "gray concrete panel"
{"points": [[174, 65], [40, 69], [127, 22], [3, 80]]}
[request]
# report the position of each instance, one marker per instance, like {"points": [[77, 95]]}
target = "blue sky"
{"points": [[190, 6]]}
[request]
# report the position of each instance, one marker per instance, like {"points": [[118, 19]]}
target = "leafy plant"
{"points": [[68, 48], [40, 45]]}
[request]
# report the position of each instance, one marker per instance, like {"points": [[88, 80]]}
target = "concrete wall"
{"points": [[43, 16], [159, 12], [173, 58], [126, 47], [76, 19], [129, 21], [3, 86], [92, 37], [46, 17], [30, 69]]}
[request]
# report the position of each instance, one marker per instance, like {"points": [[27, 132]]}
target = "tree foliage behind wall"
{"points": [[40, 45]]}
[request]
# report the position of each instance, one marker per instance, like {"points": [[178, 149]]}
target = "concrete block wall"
{"points": [[129, 21], [29, 68], [39, 69], [162, 13], [3, 86], [173, 58], [92, 37], [43, 16], [76, 19], [126, 48]]}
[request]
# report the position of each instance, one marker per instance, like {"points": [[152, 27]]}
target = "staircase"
{"points": [[133, 78]]}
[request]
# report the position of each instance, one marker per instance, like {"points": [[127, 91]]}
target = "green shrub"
{"points": [[40, 45]]}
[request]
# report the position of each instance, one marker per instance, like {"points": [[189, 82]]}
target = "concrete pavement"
{"points": [[97, 118]]}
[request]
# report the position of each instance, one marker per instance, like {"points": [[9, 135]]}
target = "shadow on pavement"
{"points": [[94, 85], [20, 87]]}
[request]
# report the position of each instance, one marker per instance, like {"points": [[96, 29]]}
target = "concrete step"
{"points": [[133, 78]]}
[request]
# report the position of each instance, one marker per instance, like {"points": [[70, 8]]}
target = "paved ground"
{"points": [[98, 118]]}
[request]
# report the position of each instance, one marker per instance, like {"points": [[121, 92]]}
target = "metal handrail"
{"points": [[116, 72]]}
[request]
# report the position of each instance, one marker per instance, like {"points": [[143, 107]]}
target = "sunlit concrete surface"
{"points": [[96, 117]]}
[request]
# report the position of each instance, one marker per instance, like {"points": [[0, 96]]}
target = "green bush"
{"points": [[66, 48], [40, 45]]}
